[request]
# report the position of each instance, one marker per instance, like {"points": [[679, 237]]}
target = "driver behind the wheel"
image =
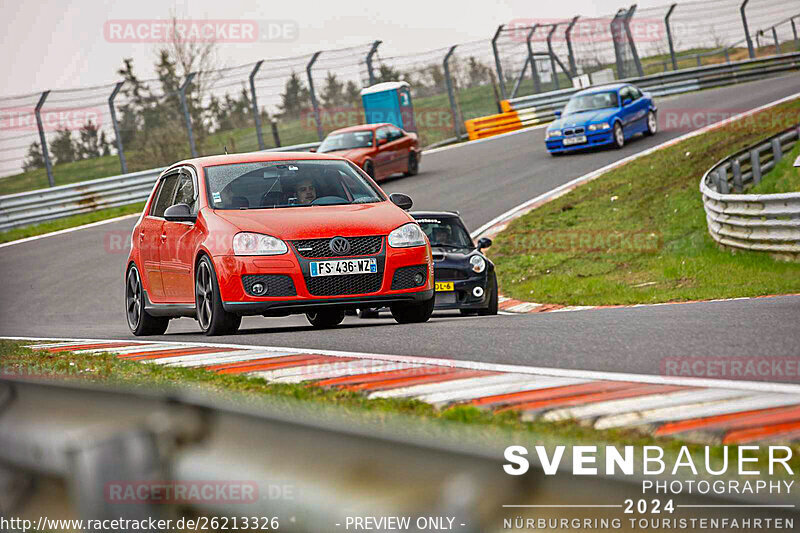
{"points": [[305, 191], [441, 235]]}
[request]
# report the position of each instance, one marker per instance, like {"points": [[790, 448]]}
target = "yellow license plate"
{"points": [[444, 286]]}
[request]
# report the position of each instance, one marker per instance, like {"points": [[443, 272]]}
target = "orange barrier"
{"points": [[478, 128]]}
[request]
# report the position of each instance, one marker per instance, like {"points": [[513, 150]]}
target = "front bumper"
{"points": [[601, 138], [461, 296], [231, 269]]}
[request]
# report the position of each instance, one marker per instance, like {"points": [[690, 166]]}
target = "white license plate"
{"points": [[574, 140], [343, 267]]}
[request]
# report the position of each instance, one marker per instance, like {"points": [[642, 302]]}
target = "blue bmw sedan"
{"points": [[610, 114]]}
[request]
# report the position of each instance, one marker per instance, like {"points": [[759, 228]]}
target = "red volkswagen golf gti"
{"points": [[273, 234]]}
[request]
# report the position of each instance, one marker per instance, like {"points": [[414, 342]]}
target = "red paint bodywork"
{"points": [[387, 159], [167, 253]]}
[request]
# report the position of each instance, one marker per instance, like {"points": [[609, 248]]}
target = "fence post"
{"points": [[186, 117], [777, 151], [534, 71], [775, 38], [738, 186], [314, 102], [628, 17], [550, 51], [615, 37], [750, 49], [669, 37], [794, 32], [123, 164], [450, 93], [45, 153], [371, 53], [755, 164], [571, 55], [497, 65], [275, 135], [254, 103]]}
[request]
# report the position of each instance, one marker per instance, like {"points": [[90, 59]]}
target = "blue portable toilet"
{"points": [[390, 102]]}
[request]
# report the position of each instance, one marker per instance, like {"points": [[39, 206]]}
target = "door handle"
{"points": [[163, 237], [141, 235]]}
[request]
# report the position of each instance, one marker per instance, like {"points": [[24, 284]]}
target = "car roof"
{"points": [[253, 157], [603, 88], [434, 214], [361, 127]]}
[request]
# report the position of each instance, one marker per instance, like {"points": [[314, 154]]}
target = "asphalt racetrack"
{"points": [[72, 285]]}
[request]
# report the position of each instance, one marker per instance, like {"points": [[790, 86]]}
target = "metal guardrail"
{"points": [[540, 107], [759, 222], [41, 205]]}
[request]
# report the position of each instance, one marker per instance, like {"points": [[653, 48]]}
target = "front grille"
{"points": [[569, 132], [579, 131], [404, 277], [448, 274], [340, 285], [276, 285], [358, 246]]}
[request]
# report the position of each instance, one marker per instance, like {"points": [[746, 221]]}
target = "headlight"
{"points": [[478, 263], [257, 244], [553, 133], [407, 236], [601, 126]]}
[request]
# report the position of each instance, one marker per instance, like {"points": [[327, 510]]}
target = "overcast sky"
{"points": [[59, 44]]}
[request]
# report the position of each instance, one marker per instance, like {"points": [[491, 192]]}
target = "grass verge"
{"points": [[638, 234], [107, 369], [783, 178], [69, 222]]}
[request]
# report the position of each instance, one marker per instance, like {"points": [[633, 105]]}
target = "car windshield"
{"points": [[271, 184], [590, 102], [346, 141], [445, 232]]}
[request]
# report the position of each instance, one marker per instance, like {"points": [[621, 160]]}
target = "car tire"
{"points": [[367, 312], [652, 124], [491, 309], [369, 168], [618, 136], [139, 321], [211, 316], [325, 319], [413, 313], [413, 165]]}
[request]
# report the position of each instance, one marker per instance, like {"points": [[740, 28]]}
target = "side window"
{"points": [[625, 93], [394, 133], [164, 195], [383, 133], [635, 93], [185, 194]]}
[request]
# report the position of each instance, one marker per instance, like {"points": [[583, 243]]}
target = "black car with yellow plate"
{"points": [[464, 278]]}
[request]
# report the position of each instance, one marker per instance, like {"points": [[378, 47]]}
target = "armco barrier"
{"points": [[759, 222], [32, 207], [539, 108]]}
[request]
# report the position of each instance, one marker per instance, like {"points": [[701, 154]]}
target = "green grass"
{"points": [[107, 369], [653, 203], [69, 222], [785, 177]]}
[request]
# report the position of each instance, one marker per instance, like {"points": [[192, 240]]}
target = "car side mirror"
{"points": [[484, 242], [626, 101], [557, 113], [383, 141], [403, 201], [179, 213]]}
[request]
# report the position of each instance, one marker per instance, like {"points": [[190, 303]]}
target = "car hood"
{"points": [[353, 154], [451, 254], [319, 221], [584, 117]]}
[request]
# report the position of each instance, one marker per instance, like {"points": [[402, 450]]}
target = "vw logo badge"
{"points": [[339, 246]]}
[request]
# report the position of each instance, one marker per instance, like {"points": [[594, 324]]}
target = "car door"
{"points": [[399, 144], [150, 231], [640, 108], [178, 241], [383, 154]]}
